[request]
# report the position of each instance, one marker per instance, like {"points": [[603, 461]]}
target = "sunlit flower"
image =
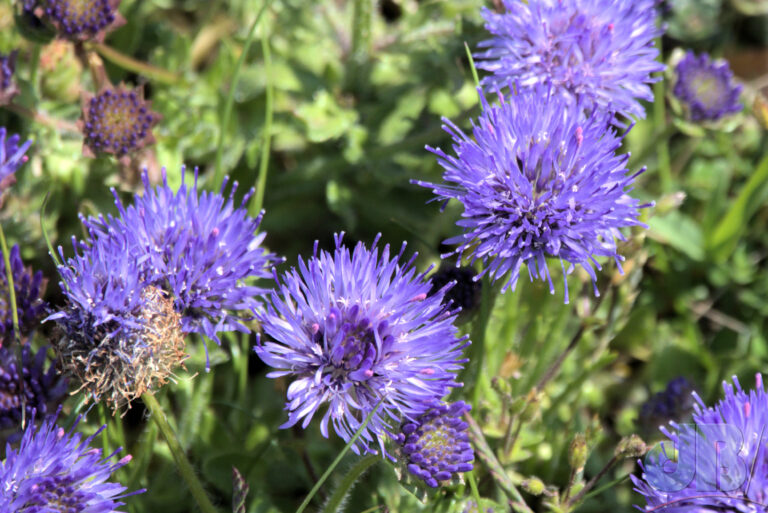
{"points": [[55, 471], [199, 247], [537, 180], [357, 329], [120, 335], [598, 52]]}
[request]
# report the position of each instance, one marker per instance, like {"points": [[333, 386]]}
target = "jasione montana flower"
{"points": [[706, 87], [721, 464], [600, 52], [199, 247], [55, 471], [357, 329], [538, 179], [29, 287]]}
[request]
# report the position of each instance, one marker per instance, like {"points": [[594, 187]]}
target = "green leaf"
{"points": [[325, 119], [724, 238], [680, 232]]}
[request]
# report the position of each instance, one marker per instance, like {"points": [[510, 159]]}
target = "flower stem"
{"points": [[56, 124], [261, 181], [333, 504], [217, 170], [182, 463], [335, 462], [15, 321], [497, 470], [660, 122], [131, 64], [576, 498], [361, 43]]}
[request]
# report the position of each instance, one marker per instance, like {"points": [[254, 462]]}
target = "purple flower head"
{"points": [[199, 247], [79, 20], [598, 51], [8, 87], [42, 387], [12, 156], [721, 463], [357, 329], [56, 471], [537, 179], [29, 288], [436, 445], [706, 87], [120, 335], [117, 121]]}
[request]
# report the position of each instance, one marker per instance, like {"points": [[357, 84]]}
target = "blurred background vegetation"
{"points": [[354, 105]]}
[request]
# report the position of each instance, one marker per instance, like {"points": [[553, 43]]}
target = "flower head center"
{"points": [[708, 89], [117, 121], [81, 16], [57, 493]]}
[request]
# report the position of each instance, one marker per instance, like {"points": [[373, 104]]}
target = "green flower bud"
{"points": [[578, 452]]}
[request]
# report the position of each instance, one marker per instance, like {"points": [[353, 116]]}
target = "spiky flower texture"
{"points": [[706, 87], [358, 329], [198, 246], [538, 179], [120, 335], [600, 52], [54, 471], [722, 465]]}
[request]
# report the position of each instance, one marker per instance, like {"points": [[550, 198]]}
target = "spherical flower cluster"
{"points": [[79, 20], [199, 247], [56, 471], [538, 179], [437, 445], [41, 387], [721, 465], [117, 121], [120, 335], [600, 52], [29, 288], [706, 87], [358, 331], [8, 87], [672, 404], [12, 156]]}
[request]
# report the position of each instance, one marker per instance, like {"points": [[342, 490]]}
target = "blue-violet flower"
{"points": [[8, 87], [718, 464], [359, 331], [598, 51], [199, 247], [538, 179], [706, 87], [436, 444], [55, 471]]}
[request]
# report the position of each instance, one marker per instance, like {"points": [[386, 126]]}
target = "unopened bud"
{"points": [[577, 452], [631, 446], [533, 485], [669, 202], [501, 386]]}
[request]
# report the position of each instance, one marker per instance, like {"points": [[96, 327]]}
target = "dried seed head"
{"points": [[116, 366]]}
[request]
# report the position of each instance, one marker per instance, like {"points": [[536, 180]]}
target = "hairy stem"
{"points": [[182, 463], [334, 502], [261, 183]]}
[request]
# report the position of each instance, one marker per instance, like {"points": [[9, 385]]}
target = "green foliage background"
{"points": [[354, 106]]}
